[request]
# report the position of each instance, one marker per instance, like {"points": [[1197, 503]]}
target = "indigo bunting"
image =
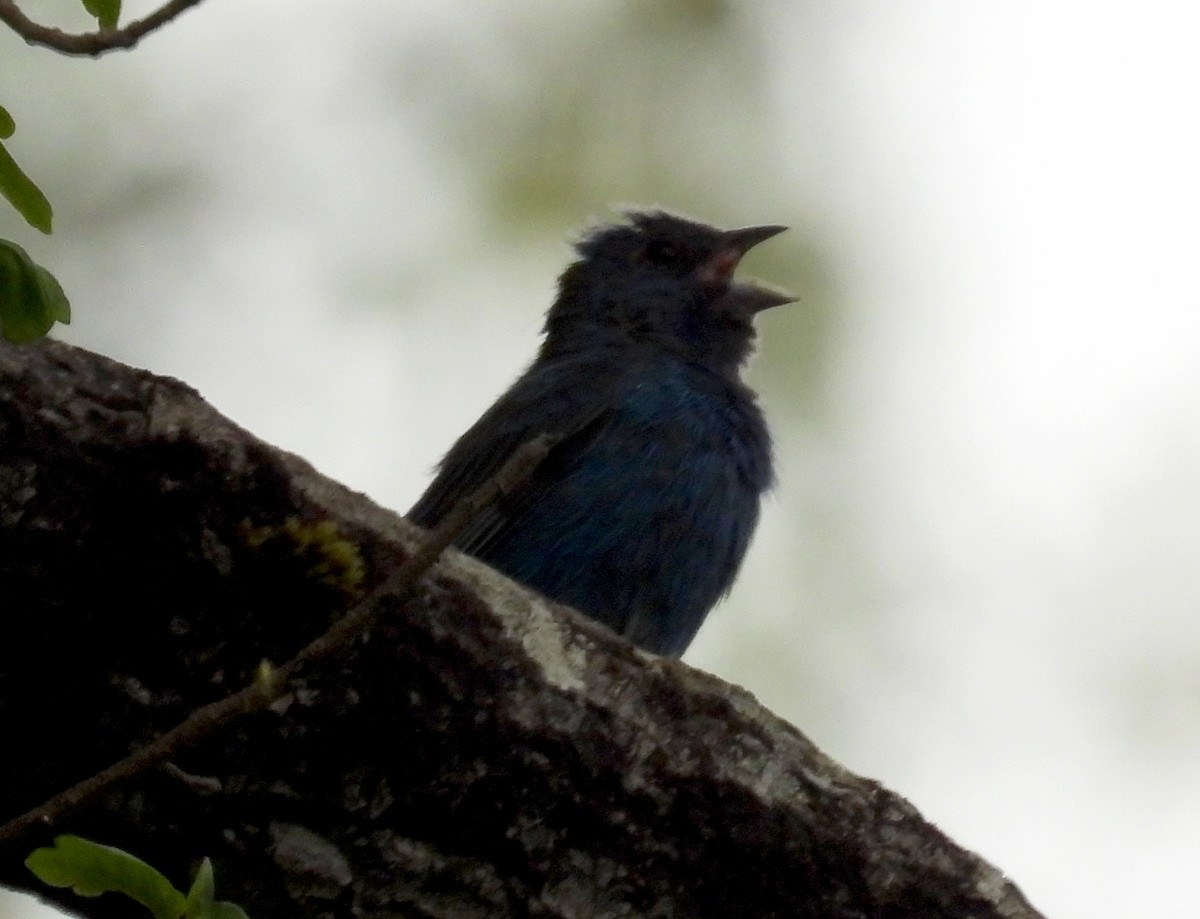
{"points": [[641, 514]]}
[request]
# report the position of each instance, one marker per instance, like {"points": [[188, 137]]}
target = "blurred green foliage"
{"points": [[31, 299], [91, 869], [106, 12], [17, 187]]}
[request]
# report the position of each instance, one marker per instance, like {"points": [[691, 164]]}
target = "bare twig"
{"points": [[273, 684], [89, 44]]}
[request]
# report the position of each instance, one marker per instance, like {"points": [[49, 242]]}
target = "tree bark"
{"points": [[481, 752]]}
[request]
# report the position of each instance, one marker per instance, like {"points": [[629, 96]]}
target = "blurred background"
{"points": [[976, 580]]}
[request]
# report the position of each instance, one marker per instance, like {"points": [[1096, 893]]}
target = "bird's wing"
{"points": [[536, 404]]}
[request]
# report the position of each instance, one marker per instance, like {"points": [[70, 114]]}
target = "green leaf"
{"points": [[22, 194], [225, 910], [31, 300], [201, 903], [92, 869], [106, 11], [200, 897], [7, 125]]}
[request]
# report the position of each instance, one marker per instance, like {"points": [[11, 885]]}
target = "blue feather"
{"points": [[642, 514]]}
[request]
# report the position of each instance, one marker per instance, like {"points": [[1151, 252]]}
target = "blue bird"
{"points": [[642, 513]]}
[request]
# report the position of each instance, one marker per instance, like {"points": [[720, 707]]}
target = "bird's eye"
{"points": [[660, 252]]}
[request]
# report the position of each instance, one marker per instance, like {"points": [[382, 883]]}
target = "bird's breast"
{"points": [[689, 423]]}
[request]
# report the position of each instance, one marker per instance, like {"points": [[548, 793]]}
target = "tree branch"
{"points": [[478, 752], [89, 44], [274, 683]]}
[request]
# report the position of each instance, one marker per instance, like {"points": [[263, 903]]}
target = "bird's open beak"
{"points": [[748, 296], [747, 238]]}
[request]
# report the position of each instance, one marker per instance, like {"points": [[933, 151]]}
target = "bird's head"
{"points": [[666, 281]]}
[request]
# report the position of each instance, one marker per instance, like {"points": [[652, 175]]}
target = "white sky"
{"points": [[1018, 191]]}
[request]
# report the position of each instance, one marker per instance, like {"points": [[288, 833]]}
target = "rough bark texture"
{"points": [[482, 753]]}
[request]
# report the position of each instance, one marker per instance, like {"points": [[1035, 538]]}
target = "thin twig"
{"points": [[273, 684], [89, 44]]}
